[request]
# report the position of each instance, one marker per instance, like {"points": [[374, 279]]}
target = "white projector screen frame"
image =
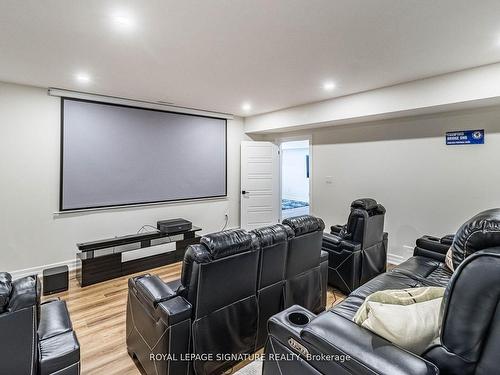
{"points": [[66, 205]]}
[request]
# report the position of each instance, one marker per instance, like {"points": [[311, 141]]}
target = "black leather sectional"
{"points": [[470, 334], [231, 284], [37, 338]]}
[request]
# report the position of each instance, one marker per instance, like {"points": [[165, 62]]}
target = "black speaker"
{"points": [[55, 280]]}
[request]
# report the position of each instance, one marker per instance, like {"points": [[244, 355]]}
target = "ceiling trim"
{"points": [[453, 91], [52, 91]]}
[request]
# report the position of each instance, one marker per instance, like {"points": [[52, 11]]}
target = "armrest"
{"points": [[335, 229], [333, 242], [433, 247], [350, 246], [174, 310], [151, 290], [330, 333], [448, 239], [157, 315], [49, 300]]}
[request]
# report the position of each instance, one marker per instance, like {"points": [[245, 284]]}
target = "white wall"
{"points": [[31, 235], [294, 181], [426, 186]]}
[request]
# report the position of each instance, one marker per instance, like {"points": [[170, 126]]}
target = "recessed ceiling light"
{"points": [[246, 107], [82, 77], [123, 22], [328, 85]]}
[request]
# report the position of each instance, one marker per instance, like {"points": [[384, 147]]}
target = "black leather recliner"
{"points": [[231, 283], [273, 244], [303, 277], [469, 340], [37, 338], [357, 251], [213, 309]]}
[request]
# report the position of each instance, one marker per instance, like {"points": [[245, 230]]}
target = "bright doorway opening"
{"points": [[295, 174]]}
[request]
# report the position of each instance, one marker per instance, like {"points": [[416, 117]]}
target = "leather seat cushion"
{"points": [[348, 307], [385, 281], [415, 272], [54, 320], [440, 276], [419, 266], [58, 352]]}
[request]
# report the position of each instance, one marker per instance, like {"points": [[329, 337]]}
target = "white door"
{"points": [[260, 181]]}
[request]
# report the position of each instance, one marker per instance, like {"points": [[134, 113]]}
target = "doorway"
{"points": [[295, 177]]}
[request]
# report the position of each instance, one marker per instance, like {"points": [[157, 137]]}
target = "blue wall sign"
{"points": [[465, 137]]}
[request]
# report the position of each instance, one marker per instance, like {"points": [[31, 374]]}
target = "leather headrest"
{"points": [[365, 204], [273, 234], [478, 233], [5, 290], [304, 224], [226, 243], [25, 293]]}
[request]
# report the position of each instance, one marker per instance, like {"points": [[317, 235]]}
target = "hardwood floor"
{"points": [[98, 316]]}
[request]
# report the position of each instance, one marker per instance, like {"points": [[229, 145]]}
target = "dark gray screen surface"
{"points": [[116, 155]]}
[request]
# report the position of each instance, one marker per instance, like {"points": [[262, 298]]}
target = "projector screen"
{"points": [[115, 155]]}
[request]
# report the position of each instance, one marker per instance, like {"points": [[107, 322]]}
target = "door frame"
{"points": [[279, 141], [276, 182]]}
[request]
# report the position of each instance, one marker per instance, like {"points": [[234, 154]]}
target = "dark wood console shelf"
{"points": [[102, 260]]}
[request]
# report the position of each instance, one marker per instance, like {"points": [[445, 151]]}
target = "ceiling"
{"points": [[218, 54]]}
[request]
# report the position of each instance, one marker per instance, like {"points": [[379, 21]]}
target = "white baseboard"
{"points": [[38, 270], [395, 259]]}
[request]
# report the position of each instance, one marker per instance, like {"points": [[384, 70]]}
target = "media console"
{"points": [[102, 260]]}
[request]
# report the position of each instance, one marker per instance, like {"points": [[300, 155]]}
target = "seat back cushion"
{"points": [[303, 253], [224, 281], [355, 228], [374, 230], [226, 309], [304, 290], [273, 244]]}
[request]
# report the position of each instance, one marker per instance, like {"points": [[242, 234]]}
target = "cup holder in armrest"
{"points": [[298, 318]]}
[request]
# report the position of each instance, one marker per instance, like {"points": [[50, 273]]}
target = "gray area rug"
{"points": [[253, 368]]}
